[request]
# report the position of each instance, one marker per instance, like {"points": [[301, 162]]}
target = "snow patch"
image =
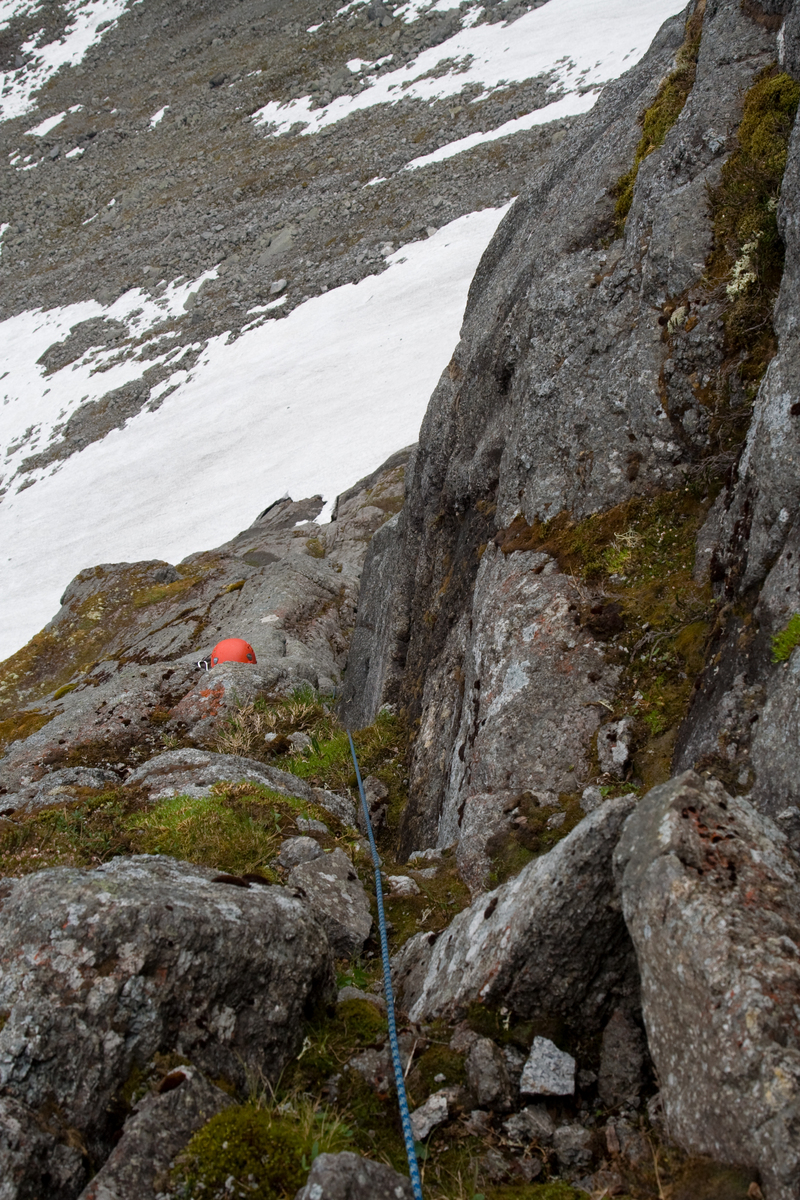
{"points": [[84, 18], [581, 44], [309, 403]]}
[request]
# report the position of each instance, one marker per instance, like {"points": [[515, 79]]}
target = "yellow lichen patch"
{"points": [[99, 626], [21, 725]]}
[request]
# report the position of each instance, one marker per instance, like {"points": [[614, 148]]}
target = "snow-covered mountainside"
{"points": [[184, 184]]}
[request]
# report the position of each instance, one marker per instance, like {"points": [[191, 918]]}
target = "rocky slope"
{"points": [[566, 628]]}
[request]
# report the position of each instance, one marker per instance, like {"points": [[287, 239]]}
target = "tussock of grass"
{"points": [[237, 830], [327, 763], [662, 114], [266, 1147]]}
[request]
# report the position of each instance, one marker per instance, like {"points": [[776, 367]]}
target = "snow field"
{"points": [[306, 404]]}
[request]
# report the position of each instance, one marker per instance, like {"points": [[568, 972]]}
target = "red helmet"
{"points": [[232, 650]]}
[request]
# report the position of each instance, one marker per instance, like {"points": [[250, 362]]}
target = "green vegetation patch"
{"points": [[786, 641], [238, 829], [746, 264], [267, 1151], [512, 849], [261, 730], [662, 114], [636, 561]]}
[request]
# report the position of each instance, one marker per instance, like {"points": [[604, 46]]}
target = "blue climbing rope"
{"points": [[413, 1168]]}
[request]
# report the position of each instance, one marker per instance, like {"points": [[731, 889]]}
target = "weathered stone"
{"points": [[158, 1129], [622, 1059], [347, 1176], [376, 794], [298, 850], [487, 1075], [354, 993], [533, 678], [614, 746], [557, 400], [711, 895], [548, 1070], [102, 968], [60, 787], [571, 1144], [402, 885], [530, 1124], [337, 898], [429, 1115], [552, 940]]}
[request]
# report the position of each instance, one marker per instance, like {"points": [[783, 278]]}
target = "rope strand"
{"points": [[402, 1100]]}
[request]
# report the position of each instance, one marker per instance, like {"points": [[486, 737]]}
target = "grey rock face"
{"points": [[552, 402], [745, 715], [552, 940], [336, 896], [101, 969], [349, 1177], [532, 679], [622, 1060], [193, 772], [487, 1075], [711, 896], [298, 850], [548, 1070], [32, 1157], [156, 1132]]}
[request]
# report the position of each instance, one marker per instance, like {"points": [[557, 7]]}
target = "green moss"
{"points": [[22, 725], [267, 1152], [653, 616], [315, 547], [62, 691], [513, 849], [555, 1190], [235, 587], [787, 640], [662, 114], [746, 264], [328, 1043], [436, 1060], [236, 830]]}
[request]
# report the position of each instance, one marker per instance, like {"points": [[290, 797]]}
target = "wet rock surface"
{"points": [[149, 955], [711, 895]]}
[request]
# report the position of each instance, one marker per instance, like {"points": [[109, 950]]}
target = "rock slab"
{"points": [[156, 1132], [336, 896], [100, 969], [348, 1176], [551, 940], [711, 895], [548, 1070]]}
